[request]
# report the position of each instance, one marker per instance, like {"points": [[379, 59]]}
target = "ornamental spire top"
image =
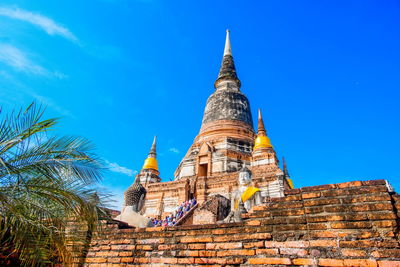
{"points": [[227, 77], [152, 153], [151, 161], [261, 128], [262, 140], [286, 174], [228, 49], [285, 169]]}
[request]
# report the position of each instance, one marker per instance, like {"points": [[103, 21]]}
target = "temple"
{"points": [[227, 141], [232, 204]]}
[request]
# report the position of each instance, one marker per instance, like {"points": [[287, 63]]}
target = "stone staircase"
{"points": [[187, 216]]}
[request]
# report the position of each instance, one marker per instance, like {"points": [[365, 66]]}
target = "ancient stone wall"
{"points": [[163, 198], [347, 224]]}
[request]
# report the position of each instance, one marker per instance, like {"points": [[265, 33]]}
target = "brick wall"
{"points": [[348, 224]]}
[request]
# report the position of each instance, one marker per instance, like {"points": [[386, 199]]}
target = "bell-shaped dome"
{"points": [[262, 142], [150, 163], [228, 105]]}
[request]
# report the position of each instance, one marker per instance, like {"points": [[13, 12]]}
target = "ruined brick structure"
{"points": [[347, 224], [225, 143]]}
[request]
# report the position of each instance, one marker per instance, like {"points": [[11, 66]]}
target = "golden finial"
{"points": [[262, 140], [151, 161]]}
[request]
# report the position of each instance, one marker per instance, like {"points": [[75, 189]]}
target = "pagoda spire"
{"points": [[227, 49], [262, 140], [286, 174], [227, 73], [285, 169], [152, 152], [261, 129], [151, 161]]}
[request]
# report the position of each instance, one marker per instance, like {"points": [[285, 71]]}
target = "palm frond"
{"points": [[47, 185]]}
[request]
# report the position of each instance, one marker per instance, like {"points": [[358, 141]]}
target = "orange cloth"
{"points": [[249, 192]]}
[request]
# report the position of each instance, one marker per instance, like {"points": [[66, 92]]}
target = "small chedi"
{"points": [[134, 197], [230, 204]]}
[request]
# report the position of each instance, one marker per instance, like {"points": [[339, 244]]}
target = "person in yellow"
{"points": [[244, 198]]}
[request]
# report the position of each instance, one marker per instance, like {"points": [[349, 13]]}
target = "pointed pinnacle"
{"points": [[285, 170], [227, 72], [153, 148], [261, 128], [228, 49]]}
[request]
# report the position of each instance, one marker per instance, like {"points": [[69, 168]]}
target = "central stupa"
{"points": [[226, 143], [226, 137]]}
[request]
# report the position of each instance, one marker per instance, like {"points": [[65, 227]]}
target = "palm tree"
{"points": [[47, 188]]}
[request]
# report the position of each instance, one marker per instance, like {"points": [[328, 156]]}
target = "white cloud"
{"points": [[114, 167], [174, 150], [17, 59], [45, 23]]}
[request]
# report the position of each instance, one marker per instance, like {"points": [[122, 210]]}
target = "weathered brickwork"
{"points": [[226, 142], [348, 224]]}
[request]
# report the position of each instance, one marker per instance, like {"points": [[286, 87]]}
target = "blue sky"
{"points": [[326, 75]]}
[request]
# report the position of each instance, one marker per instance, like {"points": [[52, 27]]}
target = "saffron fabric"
{"points": [[249, 192]]}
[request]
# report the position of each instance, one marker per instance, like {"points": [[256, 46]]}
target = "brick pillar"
{"points": [[201, 190], [209, 168], [183, 191]]}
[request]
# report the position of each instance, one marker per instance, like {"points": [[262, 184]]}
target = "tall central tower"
{"points": [[225, 143], [226, 137], [227, 106]]}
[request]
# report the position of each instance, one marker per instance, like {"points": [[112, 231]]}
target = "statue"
{"points": [[134, 201], [244, 198], [134, 196]]}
